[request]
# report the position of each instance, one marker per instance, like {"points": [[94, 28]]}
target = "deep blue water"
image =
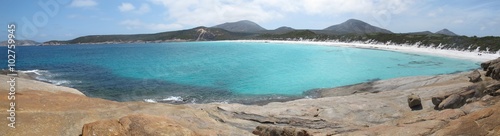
{"points": [[218, 71]]}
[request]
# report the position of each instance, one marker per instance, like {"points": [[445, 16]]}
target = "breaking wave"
{"points": [[46, 76]]}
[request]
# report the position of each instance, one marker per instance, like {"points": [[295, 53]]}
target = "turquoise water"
{"points": [[220, 71]]}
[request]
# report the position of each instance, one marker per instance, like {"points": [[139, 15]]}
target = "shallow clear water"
{"points": [[219, 71]]}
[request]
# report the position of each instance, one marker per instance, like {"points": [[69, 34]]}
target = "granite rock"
{"points": [[475, 76]]}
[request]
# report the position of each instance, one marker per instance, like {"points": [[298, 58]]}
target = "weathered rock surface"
{"points": [[104, 128], [404, 83], [468, 94], [492, 87], [475, 76], [451, 102], [362, 113], [135, 125], [485, 122], [497, 93], [47, 110]]}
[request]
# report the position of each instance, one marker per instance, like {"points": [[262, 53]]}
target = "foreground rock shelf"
{"points": [[375, 108]]}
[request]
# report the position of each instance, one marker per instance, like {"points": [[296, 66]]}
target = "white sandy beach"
{"points": [[466, 55]]}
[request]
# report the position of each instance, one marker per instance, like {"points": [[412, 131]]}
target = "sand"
{"points": [[475, 56]]}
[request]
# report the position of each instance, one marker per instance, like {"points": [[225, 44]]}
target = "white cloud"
{"points": [[137, 24], [128, 7], [435, 12], [83, 3], [211, 12], [204, 12]]}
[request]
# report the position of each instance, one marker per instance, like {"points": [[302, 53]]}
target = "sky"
{"points": [[44, 20]]}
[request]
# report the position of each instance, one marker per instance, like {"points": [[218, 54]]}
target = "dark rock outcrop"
{"points": [[492, 87], [414, 102], [279, 131], [475, 76], [492, 68], [473, 92], [104, 127]]}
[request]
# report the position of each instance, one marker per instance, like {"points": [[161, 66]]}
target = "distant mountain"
{"points": [[446, 32], [280, 30], [354, 26], [245, 26], [21, 43], [284, 28], [420, 33]]}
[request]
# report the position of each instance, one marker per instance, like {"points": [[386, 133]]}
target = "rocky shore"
{"points": [[464, 103]]}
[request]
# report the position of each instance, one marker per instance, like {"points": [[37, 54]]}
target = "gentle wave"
{"points": [[173, 98], [46, 76], [35, 71], [170, 99], [150, 100]]}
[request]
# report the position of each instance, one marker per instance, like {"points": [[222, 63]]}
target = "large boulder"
{"points": [[136, 125], [487, 64], [414, 102], [475, 76], [492, 68], [436, 100], [453, 101], [484, 122]]}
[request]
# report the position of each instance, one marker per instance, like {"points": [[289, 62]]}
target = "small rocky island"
{"points": [[466, 103]]}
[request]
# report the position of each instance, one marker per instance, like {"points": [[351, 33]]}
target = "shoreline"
{"points": [[316, 92], [456, 54]]}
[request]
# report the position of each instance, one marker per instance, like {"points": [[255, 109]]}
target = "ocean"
{"points": [[202, 72]]}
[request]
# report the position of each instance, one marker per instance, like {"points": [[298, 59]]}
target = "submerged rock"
{"points": [[475, 76]]}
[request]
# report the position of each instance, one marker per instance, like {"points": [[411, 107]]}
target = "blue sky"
{"points": [[68, 19]]}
